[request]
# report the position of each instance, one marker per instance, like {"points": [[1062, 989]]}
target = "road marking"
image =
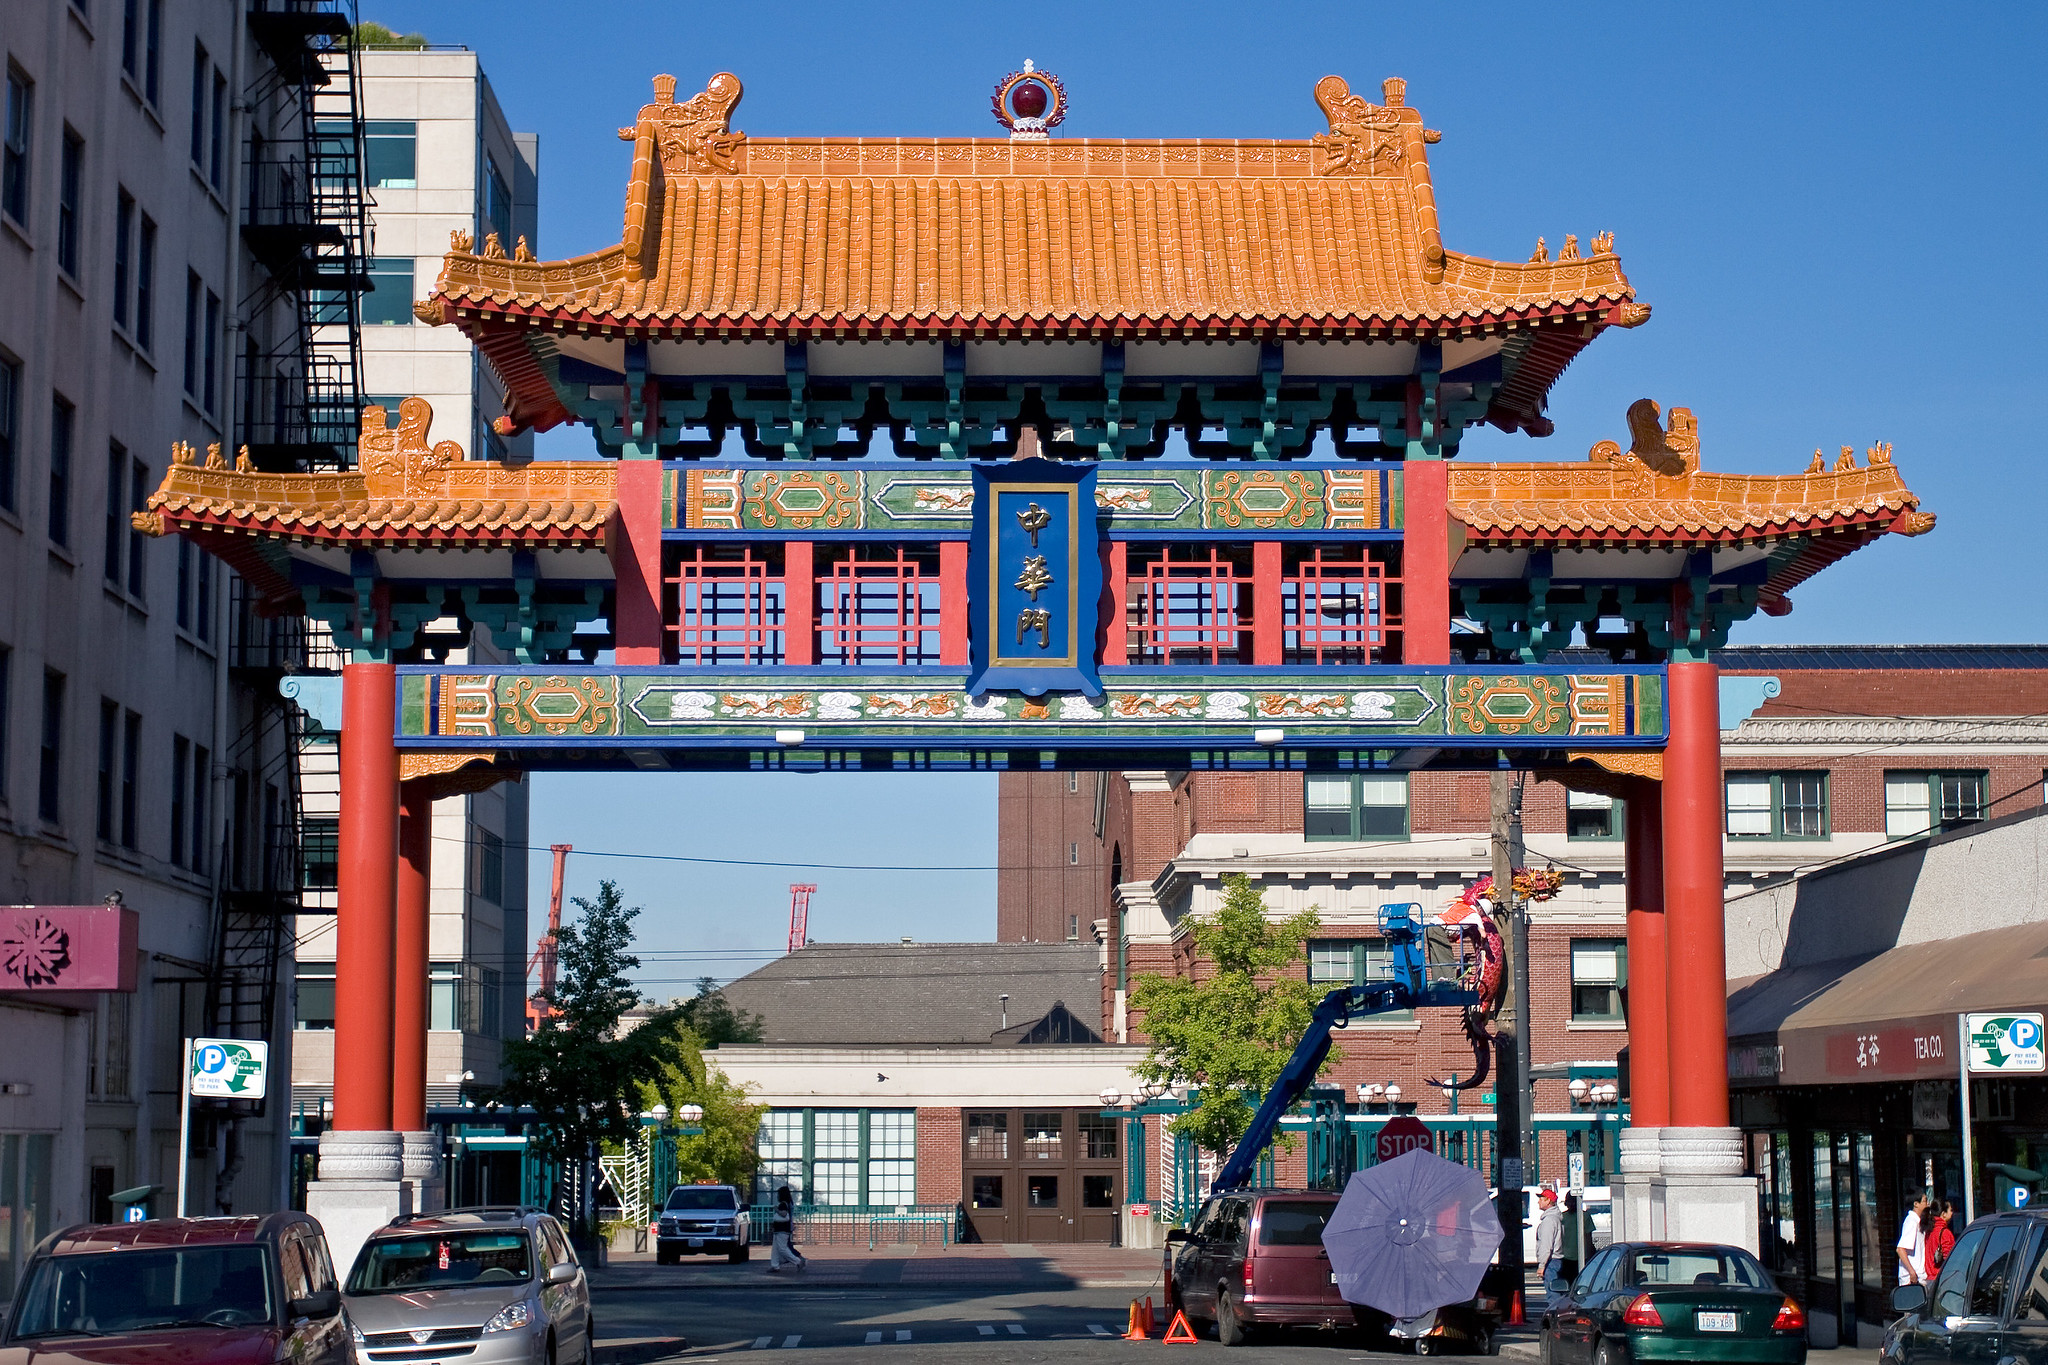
{"points": [[761, 1343], [1099, 1330], [986, 1330], [791, 1340], [902, 1334], [873, 1339], [1016, 1329]]}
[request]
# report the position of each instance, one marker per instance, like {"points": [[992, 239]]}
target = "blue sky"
{"points": [[1834, 209]]}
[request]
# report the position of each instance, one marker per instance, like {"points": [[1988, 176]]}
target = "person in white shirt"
{"points": [[1912, 1244]]}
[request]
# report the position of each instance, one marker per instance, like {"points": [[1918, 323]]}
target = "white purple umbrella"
{"points": [[1412, 1234]]}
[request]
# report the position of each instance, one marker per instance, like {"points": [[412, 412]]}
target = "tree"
{"points": [[583, 1078], [1229, 1033], [727, 1151], [714, 1019]]}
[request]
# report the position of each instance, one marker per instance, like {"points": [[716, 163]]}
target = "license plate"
{"points": [[1718, 1322], [699, 1241], [1333, 1277]]}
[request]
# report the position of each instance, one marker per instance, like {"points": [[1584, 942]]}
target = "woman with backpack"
{"points": [[782, 1233]]}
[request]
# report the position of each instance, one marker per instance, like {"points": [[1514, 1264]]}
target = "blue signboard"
{"points": [[1034, 579]]}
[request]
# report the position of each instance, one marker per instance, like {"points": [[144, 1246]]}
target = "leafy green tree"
{"points": [[1230, 1032], [726, 1153], [369, 34], [714, 1019], [581, 1075]]}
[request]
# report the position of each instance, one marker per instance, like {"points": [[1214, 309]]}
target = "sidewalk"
{"points": [[996, 1264]]}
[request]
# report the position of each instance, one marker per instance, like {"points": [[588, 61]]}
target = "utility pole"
{"points": [[1518, 917], [1509, 1120]]}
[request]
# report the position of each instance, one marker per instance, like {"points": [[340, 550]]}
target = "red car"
{"points": [[1256, 1259], [189, 1291]]}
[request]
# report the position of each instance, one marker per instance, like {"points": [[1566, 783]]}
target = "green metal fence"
{"points": [[874, 1224]]}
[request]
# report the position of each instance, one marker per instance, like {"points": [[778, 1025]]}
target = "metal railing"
{"points": [[851, 1224]]}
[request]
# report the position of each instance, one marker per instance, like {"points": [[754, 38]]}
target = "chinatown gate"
{"points": [[951, 370]]}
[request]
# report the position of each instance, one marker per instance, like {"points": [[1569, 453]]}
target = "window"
{"points": [[131, 37], [988, 1136], [1592, 815], [202, 777], [1329, 962], [1073, 928], [1098, 1191], [444, 989], [1073, 782], [209, 394], [1340, 604], [835, 1157], [892, 1157], [217, 137], [1350, 962], [50, 771], [138, 542], [497, 202], [987, 1192], [320, 852], [199, 66], [1043, 1191], [1996, 1268], [114, 1084], [181, 767], [1098, 1137], [316, 996], [62, 419], [1044, 1135], [70, 171], [202, 597], [10, 427], [110, 740], [1073, 852], [490, 880], [389, 302], [1357, 806], [878, 604], [131, 760], [1919, 803], [780, 1146], [729, 603], [145, 283], [124, 253], [6, 709], [117, 512], [1777, 805], [1596, 979], [389, 154], [192, 295], [1188, 604], [14, 163], [153, 50]]}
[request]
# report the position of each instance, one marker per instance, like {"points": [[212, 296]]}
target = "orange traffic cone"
{"points": [[1179, 1333], [1517, 1312], [1139, 1325], [1151, 1320]]}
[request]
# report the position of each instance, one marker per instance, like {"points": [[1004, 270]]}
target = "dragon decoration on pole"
{"points": [[1472, 925]]}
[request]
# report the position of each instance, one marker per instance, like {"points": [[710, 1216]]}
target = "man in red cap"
{"points": [[1549, 1236]]}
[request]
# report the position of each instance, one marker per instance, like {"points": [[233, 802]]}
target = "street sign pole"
{"points": [[1963, 1066], [184, 1124]]}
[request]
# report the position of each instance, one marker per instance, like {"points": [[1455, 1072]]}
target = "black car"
{"points": [[1643, 1301], [1990, 1302]]}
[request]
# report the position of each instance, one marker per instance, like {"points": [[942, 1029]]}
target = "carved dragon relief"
{"points": [[395, 460], [696, 135], [1364, 137], [1672, 452]]}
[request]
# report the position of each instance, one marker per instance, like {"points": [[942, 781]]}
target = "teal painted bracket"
{"points": [[319, 696], [799, 426], [1266, 428], [954, 426], [1119, 428], [1742, 696], [536, 621]]}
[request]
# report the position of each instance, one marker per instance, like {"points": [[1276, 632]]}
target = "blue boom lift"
{"points": [[1409, 987]]}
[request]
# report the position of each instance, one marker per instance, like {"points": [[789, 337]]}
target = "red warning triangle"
{"points": [[1179, 1333]]}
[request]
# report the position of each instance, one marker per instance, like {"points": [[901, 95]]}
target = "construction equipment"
{"points": [[1409, 987], [541, 1004], [799, 914]]}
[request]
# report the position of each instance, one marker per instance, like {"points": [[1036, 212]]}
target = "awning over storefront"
{"points": [[1890, 1016]]}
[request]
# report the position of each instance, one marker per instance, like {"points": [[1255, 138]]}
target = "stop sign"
{"points": [[1404, 1134]]}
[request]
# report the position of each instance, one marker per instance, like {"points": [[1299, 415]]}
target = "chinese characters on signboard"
{"points": [[1035, 575]]}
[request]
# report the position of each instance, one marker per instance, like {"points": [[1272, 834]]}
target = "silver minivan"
{"points": [[494, 1286]]}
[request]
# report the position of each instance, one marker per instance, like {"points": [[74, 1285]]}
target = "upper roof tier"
{"points": [[1335, 237]]}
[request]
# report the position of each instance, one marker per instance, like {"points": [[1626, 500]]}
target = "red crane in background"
{"points": [[540, 1005], [799, 914]]}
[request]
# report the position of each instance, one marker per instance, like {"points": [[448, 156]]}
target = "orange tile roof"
{"points": [[1332, 236], [1656, 493]]}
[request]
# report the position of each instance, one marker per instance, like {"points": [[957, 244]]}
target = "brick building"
{"points": [[1860, 746]]}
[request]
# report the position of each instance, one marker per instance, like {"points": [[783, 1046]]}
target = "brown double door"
{"points": [[1041, 1175]]}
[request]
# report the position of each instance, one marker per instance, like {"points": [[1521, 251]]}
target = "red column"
{"points": [[635, 547], [1116, 638], [953, 647], [1425, 563], [1696, 988], [1649, 1061], [366, 883], [1266, 595], [799, 603], [409, 967]]}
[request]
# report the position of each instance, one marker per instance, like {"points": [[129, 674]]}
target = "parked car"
{"points": [[495, 1286], [1990, 1300], [1672, 1301], [1255, 1259], [703, 1218], [200, 1291]]}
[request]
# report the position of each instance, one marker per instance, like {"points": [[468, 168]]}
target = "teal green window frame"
{"points": [[1778, 781], [1355, 830], [1617, 820], [1937, 805], [865, 1156], [1364, 959], [1613, 1013]]}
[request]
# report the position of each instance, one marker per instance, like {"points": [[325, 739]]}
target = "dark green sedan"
{"points": [[1672, 1301]]}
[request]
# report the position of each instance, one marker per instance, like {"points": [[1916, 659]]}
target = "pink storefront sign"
{"points": [[67, 948]]}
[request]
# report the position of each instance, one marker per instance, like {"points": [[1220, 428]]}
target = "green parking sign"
{"points": [[229, 1068]]}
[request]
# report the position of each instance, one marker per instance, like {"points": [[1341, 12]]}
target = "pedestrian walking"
{"points": [[1912, 1244], [782, 1234], [1571, 1257], [1941, 1236], [1549, 1229]]}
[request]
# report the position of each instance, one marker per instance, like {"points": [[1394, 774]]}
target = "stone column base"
{"points": [[1702, 1194], [420, 1160], [1638, 1164], [362, 1187]]}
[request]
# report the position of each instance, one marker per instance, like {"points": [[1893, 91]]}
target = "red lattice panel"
{"points": [[1339, 605], [879, 604], [726, 604], [1189, 604]]}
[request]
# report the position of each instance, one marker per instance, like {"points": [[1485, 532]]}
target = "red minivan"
{"points": [[1254, 1259]]}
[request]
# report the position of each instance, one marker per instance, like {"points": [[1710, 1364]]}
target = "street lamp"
{"points": [[1393, 1096], [1111, 1097], [692, 1113], [659, 1113], [1369, 1092], [1579, 1089]]}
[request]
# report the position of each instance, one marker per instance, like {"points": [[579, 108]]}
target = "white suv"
{"points": [[703, 1218]]}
